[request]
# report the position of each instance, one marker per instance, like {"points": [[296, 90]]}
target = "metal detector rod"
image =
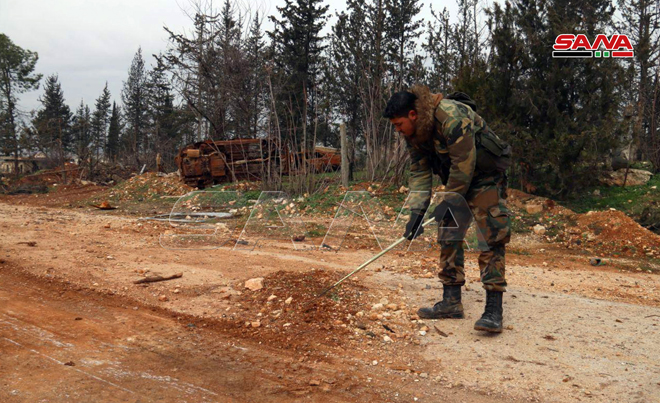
{"points": [[372, 259]]}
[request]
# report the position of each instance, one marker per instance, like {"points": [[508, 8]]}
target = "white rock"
{"points": [[387, 339], [255, 284], [377, 307], [539, 229], [288, 301], [272, 297]]}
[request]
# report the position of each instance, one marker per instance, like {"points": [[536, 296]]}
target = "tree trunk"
{"points": [[344, 156]]}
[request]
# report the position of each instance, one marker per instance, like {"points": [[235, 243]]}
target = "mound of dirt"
{"points": [[612, 233], [149, 185], [288, 313]]}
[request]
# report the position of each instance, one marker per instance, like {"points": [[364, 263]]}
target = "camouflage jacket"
{"points": [[443, 143]]}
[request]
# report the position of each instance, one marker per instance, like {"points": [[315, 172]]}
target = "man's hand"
{"points": [[442, 211], [414, 227]]}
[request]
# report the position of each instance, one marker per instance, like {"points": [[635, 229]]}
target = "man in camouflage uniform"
{"points": [[444, 137]]}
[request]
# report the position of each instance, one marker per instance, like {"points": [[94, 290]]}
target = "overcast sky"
{"points": [[89, 42]]}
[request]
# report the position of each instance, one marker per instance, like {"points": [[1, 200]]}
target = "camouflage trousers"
{"points": [[486, 199]]}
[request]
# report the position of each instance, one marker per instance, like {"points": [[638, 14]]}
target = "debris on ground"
{"points": [[611, 233], [28, 243], [104, 206], [636, 177], [148, 186], [440, 332], [297, 311], [155, 279], [519, 201]]}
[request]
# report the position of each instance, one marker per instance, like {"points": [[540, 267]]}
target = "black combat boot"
{"points": [[491, 320], [449, 308]]}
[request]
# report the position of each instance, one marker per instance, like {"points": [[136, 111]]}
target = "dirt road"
{"points": [[574, 332]]}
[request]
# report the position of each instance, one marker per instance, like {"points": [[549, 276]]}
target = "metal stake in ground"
{"points": [[372, 259]]}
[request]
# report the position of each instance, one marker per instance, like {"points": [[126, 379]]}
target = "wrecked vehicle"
{"points": [[210, 162]]}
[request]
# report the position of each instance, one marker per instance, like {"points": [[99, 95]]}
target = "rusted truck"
{"points": [[210, 162]]}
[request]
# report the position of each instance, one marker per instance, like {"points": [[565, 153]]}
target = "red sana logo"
{"points": [[571, 46]]}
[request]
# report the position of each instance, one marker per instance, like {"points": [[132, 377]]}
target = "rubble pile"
{"points": [[284, 309]]}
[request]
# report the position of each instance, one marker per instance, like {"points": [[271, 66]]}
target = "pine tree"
{"points": [[438, 48], [506, 55], [114, 129], [376, 50], [347, 61], [255, 52], [16, 77], [82, 132], [402, 32], [134, 99], [378, 136], [561, 114], [194, 62], [470, 66], [641, 22], [297, 48], [52, 123], [464, 34], [161, 112], [100, 120], [211, 71], [232, 76]]}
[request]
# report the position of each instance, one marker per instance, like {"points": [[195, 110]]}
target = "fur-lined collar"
{"points": [[425, 106]]}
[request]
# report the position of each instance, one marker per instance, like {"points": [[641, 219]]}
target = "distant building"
{"points": [[26, 165]]}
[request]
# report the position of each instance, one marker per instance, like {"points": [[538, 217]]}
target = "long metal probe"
{"points": [[371, 260]]}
